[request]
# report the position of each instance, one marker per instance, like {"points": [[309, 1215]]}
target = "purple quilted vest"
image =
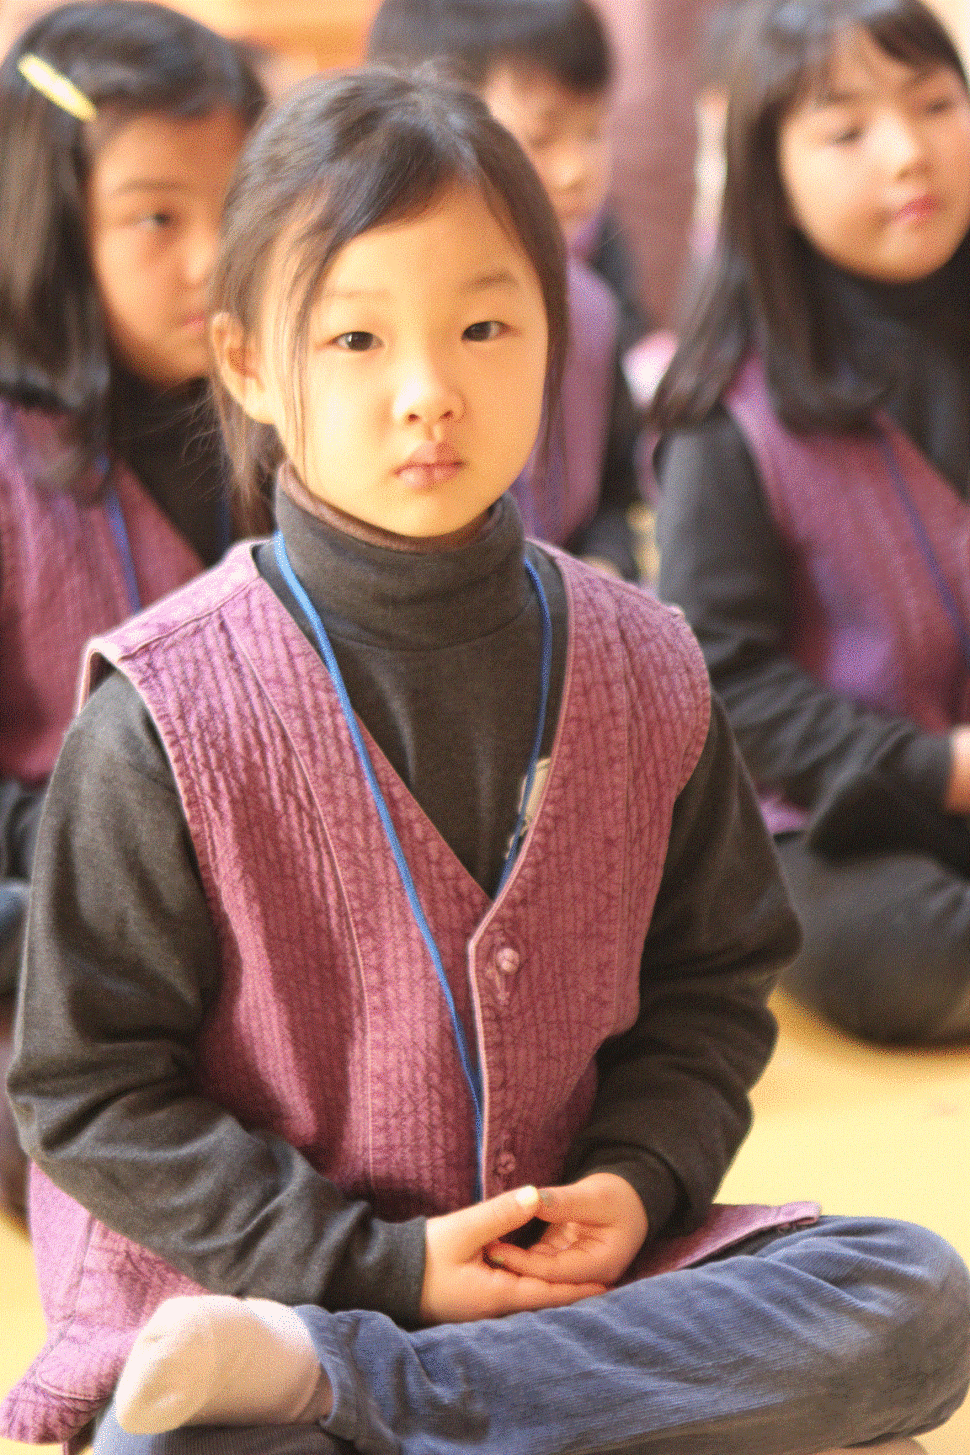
{"points": [[563, 497], [62, 583], [372, 1092], [867, 618]]}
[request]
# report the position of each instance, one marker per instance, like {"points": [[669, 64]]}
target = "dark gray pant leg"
{"points": [[887, 944]]}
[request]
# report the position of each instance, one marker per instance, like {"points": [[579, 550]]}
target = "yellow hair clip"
{"points": [[56, 87]]}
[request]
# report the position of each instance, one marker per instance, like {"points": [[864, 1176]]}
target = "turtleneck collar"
{"points": [[171, 440], [142, 410], [912, 341], [409, 599], [931, 305]]}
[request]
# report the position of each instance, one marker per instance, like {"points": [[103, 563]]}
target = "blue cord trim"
{"points": [[119, 530], [469, 1069]]}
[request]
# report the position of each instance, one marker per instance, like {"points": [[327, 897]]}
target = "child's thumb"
{"points": [[505, 1213]]}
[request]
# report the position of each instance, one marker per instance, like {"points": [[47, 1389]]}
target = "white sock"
{"points": [[214, 1360]]}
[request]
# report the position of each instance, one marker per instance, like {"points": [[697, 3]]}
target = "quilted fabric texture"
{"points": [[62, 584], [330, 1028], [867, 618]]}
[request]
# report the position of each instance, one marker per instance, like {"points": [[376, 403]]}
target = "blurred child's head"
{"points": [[849, 126], [541, 66], [120, 125], [848, 140], [390, 312]]}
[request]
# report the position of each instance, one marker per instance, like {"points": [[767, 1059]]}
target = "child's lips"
{"points": [[918, 209], [429, 465]]}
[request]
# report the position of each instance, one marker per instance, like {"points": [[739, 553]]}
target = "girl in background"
{"points": [[426, 869], [120, 125], [814, 518]]}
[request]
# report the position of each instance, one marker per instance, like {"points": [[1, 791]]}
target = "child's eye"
{"points": [[357, 341], [152, 221], [940, 104], [847, 137], [483, 332]]}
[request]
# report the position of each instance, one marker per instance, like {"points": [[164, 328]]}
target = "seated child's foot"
{"points": [[214, 1360]]}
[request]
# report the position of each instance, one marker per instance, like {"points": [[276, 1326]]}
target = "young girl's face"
{"points": [[425, 370], [562, 132], [154, 201], [876, 164]]}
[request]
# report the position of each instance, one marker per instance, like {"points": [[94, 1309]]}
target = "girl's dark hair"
{"points": [[130, 58], [563, 37], [758, 290], [343, 155]]}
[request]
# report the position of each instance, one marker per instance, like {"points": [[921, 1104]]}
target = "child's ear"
{"points": [[241, 367]]}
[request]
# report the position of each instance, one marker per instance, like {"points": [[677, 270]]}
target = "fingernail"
{"points": [[546, 1199], [496, 1260], [526, 1196]]}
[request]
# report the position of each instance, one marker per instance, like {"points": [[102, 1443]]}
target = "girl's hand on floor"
{"points": [[461, 1284], [596, 1228]]}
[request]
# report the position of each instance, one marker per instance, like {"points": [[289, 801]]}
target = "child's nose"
{"points": [[426, 394], [904, 144], [200, 254]]}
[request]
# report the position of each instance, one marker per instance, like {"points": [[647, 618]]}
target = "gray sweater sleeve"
{"points": [[120, 968], [672, 1106]]}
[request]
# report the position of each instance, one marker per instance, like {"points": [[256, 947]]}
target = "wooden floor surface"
{"points": [[858, 1129]]}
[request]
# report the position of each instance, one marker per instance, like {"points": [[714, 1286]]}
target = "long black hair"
{"points": [[130, 58], [758, 292], [340, 156]]}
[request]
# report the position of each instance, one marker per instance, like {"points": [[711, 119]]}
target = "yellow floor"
{"points": [[860, 1130]]}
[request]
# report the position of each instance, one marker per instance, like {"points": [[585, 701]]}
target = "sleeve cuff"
{"points": [[387, 1276], [651, 1179], [925, 764]]}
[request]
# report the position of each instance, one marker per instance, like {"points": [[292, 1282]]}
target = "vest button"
{"points": [[507, 960], [505, 1164]]}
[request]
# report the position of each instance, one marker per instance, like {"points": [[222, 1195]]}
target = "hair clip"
{"points": [[56, 87]]}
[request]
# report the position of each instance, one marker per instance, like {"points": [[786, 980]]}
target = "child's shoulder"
{"points": [[187, 608], [604, 604], [179, 623]]}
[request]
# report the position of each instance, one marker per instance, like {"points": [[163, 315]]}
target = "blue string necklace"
{"points": [[469, 1064], [119, 530]]}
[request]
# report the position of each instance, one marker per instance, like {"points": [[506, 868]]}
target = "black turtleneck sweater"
{"points": [[440, 652], [170, 440], [723, 562]]}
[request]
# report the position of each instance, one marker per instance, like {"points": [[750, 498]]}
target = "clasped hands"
{"points": [[595, 1229]]}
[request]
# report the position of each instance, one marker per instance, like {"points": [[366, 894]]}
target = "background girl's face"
{"points": [[876, 163], [425, 370], [154, 202], [562, 132]]}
